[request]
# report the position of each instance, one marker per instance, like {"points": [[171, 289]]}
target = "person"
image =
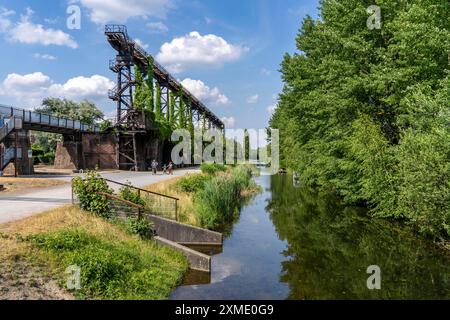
{"points": [[164, 169], [154, 166], [170, 167]]}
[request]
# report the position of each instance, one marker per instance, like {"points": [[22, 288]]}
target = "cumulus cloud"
{"points": [[204, 93], [25, 31], [228, 121], [31, 89], [121, 10], [157, 27], [44, 56], [271, 109], [195, 49], [253, 99]]}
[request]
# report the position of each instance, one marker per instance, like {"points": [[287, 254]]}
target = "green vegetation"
{"points": [[192, 183], [365, 112], [110, 269], [217, 198], [87, 190], [212, 168], [127, 193]]}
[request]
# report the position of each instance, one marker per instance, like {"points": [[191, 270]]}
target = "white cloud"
{"points": [[102, 11], [141, 44], [194, 49], [228, 121], [253, 99], [5, 22], [271, 109], [31, 89], [157, 27], [27, 32], [204, 93], [44, 56]]}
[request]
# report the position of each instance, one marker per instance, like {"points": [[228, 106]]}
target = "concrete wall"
{"points": [[24, 164], [183, 233], [196, 259], [94, 150]]}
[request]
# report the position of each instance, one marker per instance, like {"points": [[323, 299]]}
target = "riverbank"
{"points": [[114, 264]]}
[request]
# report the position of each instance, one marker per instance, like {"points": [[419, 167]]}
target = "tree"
{"points": [[246, 145], [85, 111], [358, 105], [44, 142]]}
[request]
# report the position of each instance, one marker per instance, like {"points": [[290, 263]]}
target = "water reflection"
{"points": [[290, 243], [331, 246]]}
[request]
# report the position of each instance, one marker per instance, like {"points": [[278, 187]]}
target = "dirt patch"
{"points": [[20, 281]]}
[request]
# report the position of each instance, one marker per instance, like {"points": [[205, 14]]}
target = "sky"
{"points": [[227, 53]]}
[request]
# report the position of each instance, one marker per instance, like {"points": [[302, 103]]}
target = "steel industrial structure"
{"points": [[131, 122]]}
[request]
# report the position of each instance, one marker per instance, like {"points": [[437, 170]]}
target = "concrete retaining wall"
{"points": [[182, 233], [196, 259]]}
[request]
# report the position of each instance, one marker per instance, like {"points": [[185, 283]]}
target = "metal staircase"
{"points": [[7, 155], [6, 127]]}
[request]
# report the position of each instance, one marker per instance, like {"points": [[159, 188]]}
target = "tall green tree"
{"points": [[246, 145], [359, 105]]}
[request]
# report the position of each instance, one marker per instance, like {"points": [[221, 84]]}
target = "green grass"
{"points": [[115, 269], [192, 183], [212, 168]]}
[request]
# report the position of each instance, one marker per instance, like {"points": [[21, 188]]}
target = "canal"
{"points": [[292, 243]]}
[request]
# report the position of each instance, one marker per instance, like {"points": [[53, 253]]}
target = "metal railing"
{"points": [[123, 207], [48, 120], [152, 202], [7, 155], [157, 203]]}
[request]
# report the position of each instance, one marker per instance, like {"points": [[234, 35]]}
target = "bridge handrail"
{"points": [[42, 118]]}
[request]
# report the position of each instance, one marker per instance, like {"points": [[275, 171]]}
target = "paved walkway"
{"points": [[14, 207]]}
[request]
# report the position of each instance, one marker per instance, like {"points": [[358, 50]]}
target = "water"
{"points": [[291, 243]]}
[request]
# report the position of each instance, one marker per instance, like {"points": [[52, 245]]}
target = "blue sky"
{"points": [[226, 52]]}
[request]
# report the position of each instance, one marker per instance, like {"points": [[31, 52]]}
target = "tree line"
{"points": [[364, 112]]}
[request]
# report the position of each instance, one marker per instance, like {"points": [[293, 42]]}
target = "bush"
{"points": [[112, 269], [212, 168], [192, 183], [142, 227], [87, 192]]}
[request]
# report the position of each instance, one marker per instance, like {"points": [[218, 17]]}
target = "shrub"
{"points": [[192, 183], [87, 192], [142, 227], [212, 168]]}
